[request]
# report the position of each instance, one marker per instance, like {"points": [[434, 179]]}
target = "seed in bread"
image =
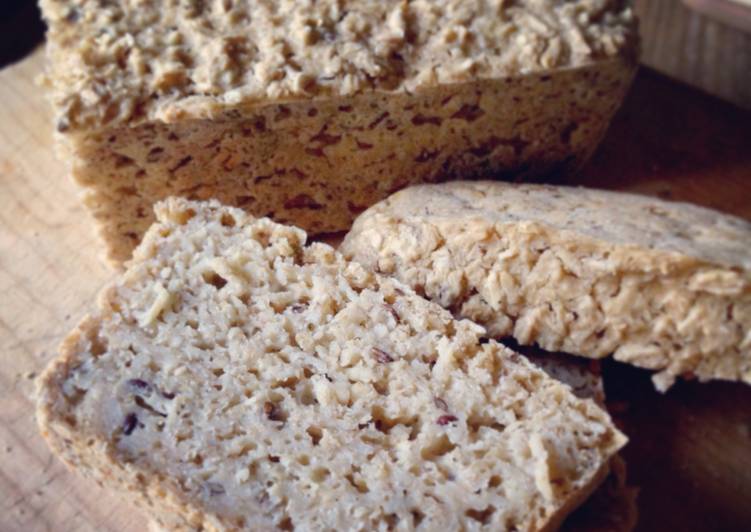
{"points": [[665, 286], [235, 378]]}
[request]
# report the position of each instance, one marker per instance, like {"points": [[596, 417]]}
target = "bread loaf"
{"points": [[309, 112], [234, 378], [664, 286]]}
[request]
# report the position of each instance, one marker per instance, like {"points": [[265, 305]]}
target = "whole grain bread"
{"points": [[612, 507], [234, 378], [309, 112], [664, 286]]}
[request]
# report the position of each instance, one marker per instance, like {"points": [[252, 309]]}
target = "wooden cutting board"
{"points": [[690, 450]]}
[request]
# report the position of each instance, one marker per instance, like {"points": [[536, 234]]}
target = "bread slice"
{"points": [[309, 112], [664, 286], [235, 378], [612, 507]]}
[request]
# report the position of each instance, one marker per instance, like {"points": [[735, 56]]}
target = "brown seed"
{"points": [[393, 312], [139, 384], [382, 356], [440, 403], [168, 395], [214, 489], [270, 410], [129, 424], [445, 420], [274, 459]]}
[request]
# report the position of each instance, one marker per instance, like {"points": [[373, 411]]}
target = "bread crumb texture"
{"points": [[664, 286], [234, 378], [124, 60]]}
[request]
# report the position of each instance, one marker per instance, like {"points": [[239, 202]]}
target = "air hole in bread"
{"points": [[437, 448], [319, 474], [307, 396], [98, 344], [483, 516], [315, 434], [289, 383], [476, 422], [73, 399]]}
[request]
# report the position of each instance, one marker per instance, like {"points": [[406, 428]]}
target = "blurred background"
{"points": [[705, 43]]}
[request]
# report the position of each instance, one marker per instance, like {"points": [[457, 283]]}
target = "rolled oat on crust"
{"points": [[309, 112], [661, 285], [234, 378]]}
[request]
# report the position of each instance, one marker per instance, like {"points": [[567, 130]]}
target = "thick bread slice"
{"points": [[661, 285], [234, 378], [612, 507]]}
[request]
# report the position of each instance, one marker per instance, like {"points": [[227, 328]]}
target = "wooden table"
{"points": [[690, 450]]}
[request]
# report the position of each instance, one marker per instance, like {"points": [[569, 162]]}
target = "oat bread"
{"points": [[612, 507], [234, 378], [664, 286], [309, 112]]}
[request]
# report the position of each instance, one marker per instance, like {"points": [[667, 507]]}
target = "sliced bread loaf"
{"points": [[664, 286], [234, 378], [309, 112]]}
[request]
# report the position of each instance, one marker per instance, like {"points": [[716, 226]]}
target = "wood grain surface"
{"points": [[690, 450], [696, 49]]}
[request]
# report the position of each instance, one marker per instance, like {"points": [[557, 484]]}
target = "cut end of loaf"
{"points": [[661, 285], [235, 378]]}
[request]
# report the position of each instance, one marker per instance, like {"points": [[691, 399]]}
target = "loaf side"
{"points": [[234, 378], [665, 286], [318, 164]]}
